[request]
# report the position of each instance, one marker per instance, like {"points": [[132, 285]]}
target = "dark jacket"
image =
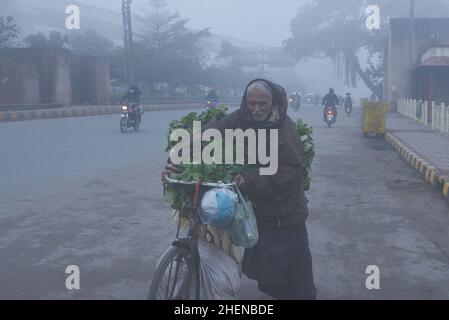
{"points": [[330, 100], [132, 97], [212, 95], [279, 199]]}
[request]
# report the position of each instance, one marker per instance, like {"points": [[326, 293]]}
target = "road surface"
{"points": [[76, 191]]}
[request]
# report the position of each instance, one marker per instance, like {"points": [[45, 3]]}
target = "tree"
{"points": [[166, 30], [166, 50], [336, 30], [90, 43], [227, 50], [9, 31], [54, 40]]}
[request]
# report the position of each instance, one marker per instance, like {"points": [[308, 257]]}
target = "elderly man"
{"points": [[281, 261]]}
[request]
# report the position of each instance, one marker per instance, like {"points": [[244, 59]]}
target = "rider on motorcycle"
{"points": [[295, 100], [212, 98], [212, 95], [348, 102], [330, 100], [132, 98]]}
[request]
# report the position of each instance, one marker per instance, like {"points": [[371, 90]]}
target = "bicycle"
{"points": [[182, 258]]}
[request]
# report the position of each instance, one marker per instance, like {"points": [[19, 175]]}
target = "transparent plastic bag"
{"points": [[243, 230], [220, 275], [218, 207]]}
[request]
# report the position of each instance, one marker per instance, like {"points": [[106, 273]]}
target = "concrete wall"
{"points": [[427, 33], [44, 76], [30, 76], [88, 80]]}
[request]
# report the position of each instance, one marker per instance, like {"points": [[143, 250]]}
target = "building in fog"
{"points": [[417, 60]]}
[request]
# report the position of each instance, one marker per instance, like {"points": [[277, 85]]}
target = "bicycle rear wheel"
{"points": [[176, 277]]}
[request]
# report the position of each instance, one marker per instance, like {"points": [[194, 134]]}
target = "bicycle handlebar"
{"points": [[206, 184]]}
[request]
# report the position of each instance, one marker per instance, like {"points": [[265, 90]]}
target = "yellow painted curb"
{"points": [[429, 172], [433, 174], [418, 164], [446, 189]]}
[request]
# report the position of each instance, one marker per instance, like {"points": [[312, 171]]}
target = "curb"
{"points": [[429, 172], [11, 116]]}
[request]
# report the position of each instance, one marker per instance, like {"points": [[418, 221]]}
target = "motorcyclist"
{"points": [[295, 100], [212, 95], [348, 102], [330, 100], [132, 98], [212, 98]]}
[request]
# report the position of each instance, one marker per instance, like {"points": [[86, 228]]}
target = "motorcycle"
{"points": [[294, 103], [131, 117], [211, 104], [330, 116], [348, 110], [348, 106]]}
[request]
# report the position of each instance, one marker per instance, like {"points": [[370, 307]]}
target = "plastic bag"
{"points": [[218, 207], [222, 240], [243, 231], [220, 275]]}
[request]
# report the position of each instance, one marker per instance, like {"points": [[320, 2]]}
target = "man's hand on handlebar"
{"points": [[239, 180], [170, 168]]}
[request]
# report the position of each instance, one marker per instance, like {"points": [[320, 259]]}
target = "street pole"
{"points": [[411, 49], [128, 41], [263, 62]]}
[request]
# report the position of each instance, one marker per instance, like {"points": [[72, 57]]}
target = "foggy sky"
{"points": [[264, 22]]}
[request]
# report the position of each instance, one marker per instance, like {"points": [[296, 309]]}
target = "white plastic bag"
{"points": [[220, 275], [243, 230], [218, 207]]}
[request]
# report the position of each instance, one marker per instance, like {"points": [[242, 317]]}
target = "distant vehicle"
{"points": [[313, 98], [211, 99], [330, 116], [211, 104], [348, 104], [294, 101], [131, 116]]}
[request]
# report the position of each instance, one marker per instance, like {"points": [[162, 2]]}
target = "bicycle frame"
{"points": [[191, 241]]}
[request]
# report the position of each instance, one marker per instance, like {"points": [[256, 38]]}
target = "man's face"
{"points": [[260, 104]]}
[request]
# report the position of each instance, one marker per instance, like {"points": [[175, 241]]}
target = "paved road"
{"points": [[76, 191]]}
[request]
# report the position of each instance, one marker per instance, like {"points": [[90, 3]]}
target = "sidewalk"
{"points": [[424, 149]]}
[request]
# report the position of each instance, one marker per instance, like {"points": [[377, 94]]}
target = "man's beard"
{"points": [[260, 117]]}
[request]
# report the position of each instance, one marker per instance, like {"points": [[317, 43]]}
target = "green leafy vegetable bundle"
{"points": [[180, 197], [305, 134]]}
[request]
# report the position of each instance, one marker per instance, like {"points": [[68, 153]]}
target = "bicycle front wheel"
{"points": [[176, 277]]}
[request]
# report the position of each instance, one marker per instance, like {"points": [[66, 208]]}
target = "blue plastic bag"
{"points": [[218, 208]]}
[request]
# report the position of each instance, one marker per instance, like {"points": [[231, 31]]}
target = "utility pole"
{"points": [[411, 48], [128, 41], [263, 62]]}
